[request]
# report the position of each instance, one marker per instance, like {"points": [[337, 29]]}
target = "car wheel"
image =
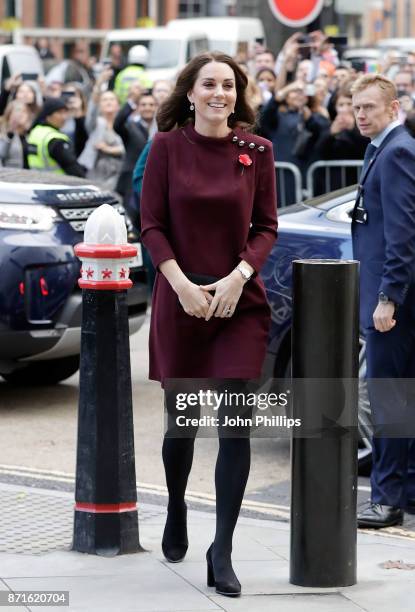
{"points": [[47, 372]]}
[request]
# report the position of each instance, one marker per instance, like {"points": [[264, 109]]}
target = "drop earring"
{"points": [[192, 106]]}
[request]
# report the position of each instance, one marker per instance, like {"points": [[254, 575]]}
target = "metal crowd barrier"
{"points": [[340, 166], [322, 177], [289, 183]]}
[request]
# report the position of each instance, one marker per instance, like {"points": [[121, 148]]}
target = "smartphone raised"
{"points": [[29, 76]]}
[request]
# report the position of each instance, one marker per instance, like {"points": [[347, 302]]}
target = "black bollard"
{"points": [[106, 519], [325, 350]]}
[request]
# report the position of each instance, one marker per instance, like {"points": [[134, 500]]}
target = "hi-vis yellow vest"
{"points": [[126, 77], [39, 139]]}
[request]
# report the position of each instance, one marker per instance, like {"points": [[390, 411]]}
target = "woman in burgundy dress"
{"points": [[208, 207]]}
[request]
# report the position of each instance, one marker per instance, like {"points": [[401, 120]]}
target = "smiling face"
{"points": [[146, 108], [213, 95], [373, 110]]}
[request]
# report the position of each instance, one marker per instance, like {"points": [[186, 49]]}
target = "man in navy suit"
{"points": [[383, 231]]}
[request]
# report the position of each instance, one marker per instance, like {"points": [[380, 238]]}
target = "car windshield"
{"points": [[22, 62], [162, 53], [221, 45]]}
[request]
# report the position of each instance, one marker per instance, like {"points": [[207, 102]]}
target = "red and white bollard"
{"points": [[106, 519]]}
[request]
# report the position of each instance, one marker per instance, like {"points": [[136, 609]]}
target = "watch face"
{"points": [[245, 273]]}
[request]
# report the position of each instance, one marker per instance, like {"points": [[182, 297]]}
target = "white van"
{"points": [[404, 45], [231, 35], [169, 50], [19, 59]]}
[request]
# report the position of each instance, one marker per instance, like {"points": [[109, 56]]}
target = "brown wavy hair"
{"points": [[175, 111]]}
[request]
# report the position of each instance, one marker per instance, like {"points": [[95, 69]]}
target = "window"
{"points": [[196, 46], [67, 13], [10, 8], [248, 8], [192, 8], [117, 13], [40, 13], [142, 8], [93, 13], [407, 20], [164, 53]]}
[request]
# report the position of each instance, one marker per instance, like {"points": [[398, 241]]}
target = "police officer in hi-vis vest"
{"points": [[135, 71], [48, 149]]}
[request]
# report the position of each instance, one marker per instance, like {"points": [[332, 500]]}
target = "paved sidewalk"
{"points": [[35, 539]]}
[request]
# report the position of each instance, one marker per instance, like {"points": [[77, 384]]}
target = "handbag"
{"points": [[201, 279]]}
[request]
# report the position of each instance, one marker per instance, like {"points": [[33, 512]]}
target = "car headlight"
{"points": [[26, 217]]}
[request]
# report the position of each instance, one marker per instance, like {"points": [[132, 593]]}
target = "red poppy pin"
{"points": [[245, 160]]}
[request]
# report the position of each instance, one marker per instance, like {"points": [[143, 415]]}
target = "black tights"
{"points": [[231, 473]]}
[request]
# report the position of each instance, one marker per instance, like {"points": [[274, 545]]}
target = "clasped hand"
{"points": [[197, 300]]}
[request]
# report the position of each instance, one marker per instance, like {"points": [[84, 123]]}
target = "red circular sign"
{"points": [[296, 13]]}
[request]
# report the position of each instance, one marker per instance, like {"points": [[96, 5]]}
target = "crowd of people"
{"points": [[97, 126]]}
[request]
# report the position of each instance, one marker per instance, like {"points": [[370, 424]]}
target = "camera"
{"points": [[304, 39], [67, 95], [310, 90], [338, 41], [29, 76]]}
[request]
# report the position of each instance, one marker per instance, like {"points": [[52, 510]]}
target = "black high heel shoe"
{"points": [[227, 584], [175, 542]]}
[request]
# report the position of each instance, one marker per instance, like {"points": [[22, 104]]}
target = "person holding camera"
{"points": [[290, 122], [341, 140], [104, 150], [19, 87], [74, 126], [14, 126]]}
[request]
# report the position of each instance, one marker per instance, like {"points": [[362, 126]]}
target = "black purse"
{"points": [[201, 279]]}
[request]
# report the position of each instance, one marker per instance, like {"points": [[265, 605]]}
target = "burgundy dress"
{"points": [[202, 207]]}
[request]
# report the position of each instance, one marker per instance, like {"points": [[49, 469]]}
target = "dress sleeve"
{"points": [[263, 231], [154, 203]]}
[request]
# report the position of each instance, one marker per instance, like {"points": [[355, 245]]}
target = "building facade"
{"points": [[389, 19], [365, 21]]}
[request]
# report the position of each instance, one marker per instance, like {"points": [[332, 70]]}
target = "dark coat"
{"points": [[385, 245], [134, 136], [283, 129], [347, 144]]}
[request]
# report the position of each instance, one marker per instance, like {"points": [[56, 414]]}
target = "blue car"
{"points": [[42, 217], [319, 228]]}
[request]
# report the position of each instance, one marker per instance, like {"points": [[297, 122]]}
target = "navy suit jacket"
{"points": [[385, 245]]}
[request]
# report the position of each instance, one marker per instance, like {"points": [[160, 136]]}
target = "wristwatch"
{"points": [[384, 299], [246, 274]]}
